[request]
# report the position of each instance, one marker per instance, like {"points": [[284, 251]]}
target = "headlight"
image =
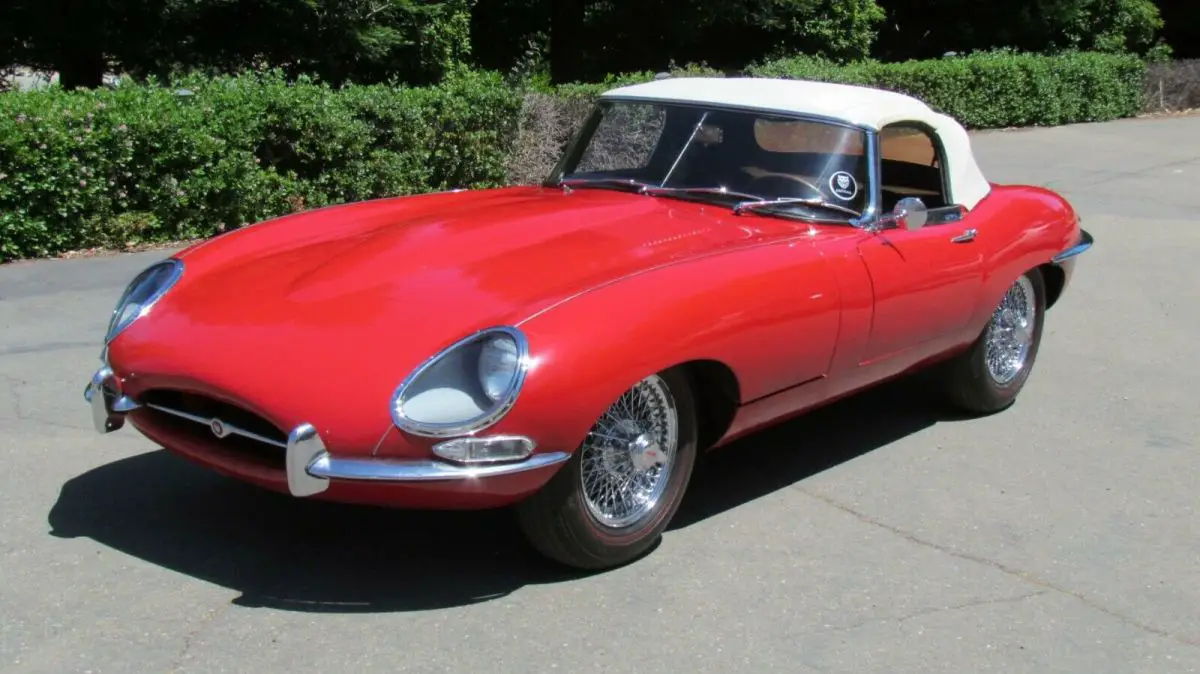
{"points": [[498, 365], [467, 387], [145, 289]]}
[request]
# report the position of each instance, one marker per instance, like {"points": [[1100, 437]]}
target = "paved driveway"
{"points": [[873, 536]]}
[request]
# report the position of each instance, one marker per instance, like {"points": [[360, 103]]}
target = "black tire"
{"points": [[966, 378], [559, 524]]}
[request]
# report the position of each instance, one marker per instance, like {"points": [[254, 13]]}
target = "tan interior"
{"points": [[896, 144]]}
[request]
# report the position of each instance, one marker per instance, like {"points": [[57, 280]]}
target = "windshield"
{"points": [[717, 154]]}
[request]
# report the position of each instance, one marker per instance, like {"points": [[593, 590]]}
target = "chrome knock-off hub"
{"points": [[626, 459], [645, 453]]}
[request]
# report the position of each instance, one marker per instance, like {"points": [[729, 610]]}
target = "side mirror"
{"points": [[910, 213]]}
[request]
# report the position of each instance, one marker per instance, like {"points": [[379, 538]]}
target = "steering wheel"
{"points": [[783, 185]]}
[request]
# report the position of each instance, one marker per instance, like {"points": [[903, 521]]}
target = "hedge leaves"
{"points": [[147, 163]]}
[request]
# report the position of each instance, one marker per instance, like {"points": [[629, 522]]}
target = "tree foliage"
{"points": [[930, 28], [1181, 26], [587, 39], [334, 40], [138, 163], [418, 41]]}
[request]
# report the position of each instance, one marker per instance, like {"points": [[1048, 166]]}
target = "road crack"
{"points": [[14, 396], [20, 413], [1021, 574], [974, 603]]}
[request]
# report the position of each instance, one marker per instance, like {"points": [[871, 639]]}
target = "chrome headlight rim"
{"points": [[176, 271], [500, 407]]}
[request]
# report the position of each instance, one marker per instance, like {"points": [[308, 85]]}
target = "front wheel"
{"points": [[987, 377], [611, 502]]}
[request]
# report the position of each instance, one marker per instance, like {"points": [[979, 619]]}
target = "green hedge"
{"points": [[996, 89], [144, 163], [981, 90], [147, 163]]}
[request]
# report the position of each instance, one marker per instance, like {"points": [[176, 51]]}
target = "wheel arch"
{"points": [[1054, 280], [717, 394]]}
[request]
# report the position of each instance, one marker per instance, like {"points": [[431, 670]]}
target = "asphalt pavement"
{"points": [[876, 535]]}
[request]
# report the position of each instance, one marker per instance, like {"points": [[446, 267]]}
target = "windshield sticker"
{"points": [[843, 185]]}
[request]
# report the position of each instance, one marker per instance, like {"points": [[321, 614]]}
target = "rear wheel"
{"points": [[987, 377], [611, 502]]}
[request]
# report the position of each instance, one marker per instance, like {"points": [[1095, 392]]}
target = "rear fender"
{"points": [[1034, 224]]}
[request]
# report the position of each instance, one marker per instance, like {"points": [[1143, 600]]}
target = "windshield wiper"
{"points": [[602, 183], [720, 191], [752, 201], [768, 203]]}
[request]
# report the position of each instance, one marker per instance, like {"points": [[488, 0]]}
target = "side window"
{"points": [[911, 166]]}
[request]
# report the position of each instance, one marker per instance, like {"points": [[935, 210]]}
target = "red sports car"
{"points": [[709, 256]]}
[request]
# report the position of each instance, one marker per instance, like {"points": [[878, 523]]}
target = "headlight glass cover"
{"points": [[141, 294], [499, 364], [469, 386]]}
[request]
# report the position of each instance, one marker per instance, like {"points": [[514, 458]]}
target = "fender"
{"points": [[770, 314], [1033, 225]]}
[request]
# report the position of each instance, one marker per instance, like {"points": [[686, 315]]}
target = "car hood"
{"points": [[368, 291], [446, 263]]}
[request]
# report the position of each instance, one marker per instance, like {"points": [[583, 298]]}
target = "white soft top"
{"points": [[861, 106]]}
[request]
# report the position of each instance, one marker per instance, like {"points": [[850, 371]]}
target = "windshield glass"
{"points": [[694, 152]]}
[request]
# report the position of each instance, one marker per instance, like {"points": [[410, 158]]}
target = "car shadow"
{"points": [[780, 456], [301, 555]]}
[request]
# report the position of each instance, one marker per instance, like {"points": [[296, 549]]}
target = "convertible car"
{"points": [[708, 257]]}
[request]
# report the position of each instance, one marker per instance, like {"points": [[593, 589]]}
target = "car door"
{"points": [[925, 282]]}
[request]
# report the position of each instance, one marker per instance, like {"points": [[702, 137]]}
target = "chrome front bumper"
{"points": [[309, 466], [1086, 241]]}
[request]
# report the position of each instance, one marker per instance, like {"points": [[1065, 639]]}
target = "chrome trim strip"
{"points": [[1085, 242], [470, 426], [227, 428], [422, 470]]}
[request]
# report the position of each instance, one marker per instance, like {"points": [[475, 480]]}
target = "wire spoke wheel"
{"points": [[626, 459], [613, 500], [1010, 332]]}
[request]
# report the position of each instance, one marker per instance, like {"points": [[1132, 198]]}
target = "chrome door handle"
{"points": [[965, 237]]}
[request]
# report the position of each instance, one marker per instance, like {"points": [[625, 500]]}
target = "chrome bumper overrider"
{"points": [[1085, 242], [309, 466]]}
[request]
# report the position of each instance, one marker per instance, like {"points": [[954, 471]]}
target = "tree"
{"points": [[929, 28], [335, 40], [79, 38], [1181, 26], [589, 39], [366, 41], [566, 36]]}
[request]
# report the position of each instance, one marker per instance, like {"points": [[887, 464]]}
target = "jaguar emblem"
{"points": [[843, 186], [218, 428]]}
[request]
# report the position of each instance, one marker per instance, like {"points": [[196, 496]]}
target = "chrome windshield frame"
{"points": [[872, 205]]}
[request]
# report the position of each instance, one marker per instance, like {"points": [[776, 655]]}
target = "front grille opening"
{"points": [[207, 408]]}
